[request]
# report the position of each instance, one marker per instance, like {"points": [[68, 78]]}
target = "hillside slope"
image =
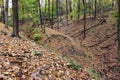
{"points": [[20, 59], [98, 51]]}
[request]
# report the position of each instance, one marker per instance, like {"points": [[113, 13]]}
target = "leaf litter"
{"points": [[21, 59]]}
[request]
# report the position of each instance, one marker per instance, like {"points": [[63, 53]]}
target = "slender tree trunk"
{"points": [[3, 13], [70, 5], [49, 11], [78, 5], [52, 13], [15, 18], [95, 13], [84, 4], [6, 13], [57, 12], [43, 17], [92, 9], [43, 30], [40, 12], [112, 4], [43, 22], [89, 6], [67, 12], [118, 28]]}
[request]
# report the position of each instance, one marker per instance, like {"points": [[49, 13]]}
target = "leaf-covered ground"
{"points": [[100, 44], [97, 53], [21, 59]]}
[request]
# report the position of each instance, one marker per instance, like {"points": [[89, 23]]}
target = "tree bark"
{"points": [[78, 5], [95, 13], [3, 13], [57, 14], [70, 5], [84, 4], [40, 12], [6, 13], [67, 11], [15, 19], [52, 13], [49, 10], [118, 28]]}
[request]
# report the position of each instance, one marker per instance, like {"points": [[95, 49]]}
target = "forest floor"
{"points": [[22, 59], [60, 51], [97, 52], [100, 45]]}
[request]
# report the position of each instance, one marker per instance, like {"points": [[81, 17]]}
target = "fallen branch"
{"points": [[99, 23], [81, 32], [103, 40]]}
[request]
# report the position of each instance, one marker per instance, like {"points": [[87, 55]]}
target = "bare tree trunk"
{"points": [[43, 29], [67, 12], [78, 5], [84, 4], [92, 9], [70, 5], [40, 12], [112, 4], [1, 11], [49, 10], [3, 15], [6, 13], [43, 17], [57, 14], [118, 28], [95, 13], [52, 13], [15, 19]]}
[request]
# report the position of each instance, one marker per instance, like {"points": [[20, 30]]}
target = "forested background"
{"points": [[84, 33]]}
